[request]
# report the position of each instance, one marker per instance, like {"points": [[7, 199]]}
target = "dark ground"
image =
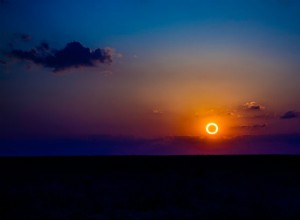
{"points": [[148, 187]]}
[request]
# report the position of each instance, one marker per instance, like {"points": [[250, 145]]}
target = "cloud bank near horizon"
{"points": [[174, 145]]}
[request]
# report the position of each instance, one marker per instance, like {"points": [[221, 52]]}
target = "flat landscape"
{"points": [[150, 187]]}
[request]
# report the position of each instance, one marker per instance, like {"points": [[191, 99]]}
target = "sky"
{"points": [[149, 69]]}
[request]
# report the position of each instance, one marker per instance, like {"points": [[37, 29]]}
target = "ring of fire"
{"points": [[211, 130]]}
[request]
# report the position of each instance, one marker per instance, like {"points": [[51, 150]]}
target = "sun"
{"points": [[212, 128]]}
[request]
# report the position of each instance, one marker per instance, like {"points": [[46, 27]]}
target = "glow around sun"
{"points": [[212, 128]]}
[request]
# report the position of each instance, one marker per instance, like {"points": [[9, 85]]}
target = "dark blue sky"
{"points": [[149, 68]]}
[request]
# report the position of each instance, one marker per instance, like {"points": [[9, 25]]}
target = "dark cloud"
{"points": [[2, 62], [265, 116], [17, 37], [269, 115], [290, 115], [44, 46], [73, 55], [23, 37], [250, 127], [253, 106]]}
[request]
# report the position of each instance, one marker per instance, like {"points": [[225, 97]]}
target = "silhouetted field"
{"points": [[148, 187]]}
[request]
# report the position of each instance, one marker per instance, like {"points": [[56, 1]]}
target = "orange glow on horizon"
{"points": [[214, 127]]}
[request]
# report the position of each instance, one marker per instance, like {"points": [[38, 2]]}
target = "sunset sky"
{"points": [[149, 69]]}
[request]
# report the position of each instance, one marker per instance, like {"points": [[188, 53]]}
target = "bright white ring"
{"points": [[212, 125]]}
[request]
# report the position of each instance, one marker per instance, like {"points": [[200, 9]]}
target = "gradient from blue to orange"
{"points": [[177, 66]]}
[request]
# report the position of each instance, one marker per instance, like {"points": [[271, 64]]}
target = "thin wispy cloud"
{"points": [[157, 112], [251, 127]]}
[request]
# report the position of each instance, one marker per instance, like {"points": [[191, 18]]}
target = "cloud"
{"points": [[173, 145], [73, 55], [23, 37], [251, 127], [290, 115], [269, 115], [260, 115], [253, 106], [157, 111]]}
